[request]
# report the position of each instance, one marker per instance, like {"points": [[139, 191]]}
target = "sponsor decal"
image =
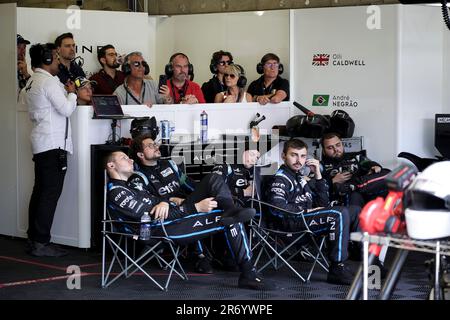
{"points": [[166, 172], [171, 187], [443, 120]]}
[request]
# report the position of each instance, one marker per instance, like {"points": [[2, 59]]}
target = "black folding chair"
{"points": [[122, 239]]}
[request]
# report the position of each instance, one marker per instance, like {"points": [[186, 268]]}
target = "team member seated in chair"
{"points": [[353, 179], [235, 81], [129, 198], [168, 181], [239, 176], [290, 191]]}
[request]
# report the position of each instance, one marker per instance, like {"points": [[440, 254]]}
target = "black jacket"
{"points": [[167, 180], [236, 176], [72, 73], [211, 88], [355, 162], [288, 190]]}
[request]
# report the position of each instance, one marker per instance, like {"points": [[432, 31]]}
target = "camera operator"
{"points": [[49, 107], [68, 69]]}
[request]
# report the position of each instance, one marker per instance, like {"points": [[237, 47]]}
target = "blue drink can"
{"points": [[165, 131]]}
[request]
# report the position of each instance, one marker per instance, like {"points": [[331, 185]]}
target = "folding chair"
{"points": [[118, 233], [278, 246]]}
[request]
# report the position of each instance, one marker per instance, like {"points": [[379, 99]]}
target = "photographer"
{"points": [[354, 179], [50, 107]]}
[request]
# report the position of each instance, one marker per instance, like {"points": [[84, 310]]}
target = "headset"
{"points": [[46, 55], [266, 57], [242, 81], [168, 70], [126, 68]]}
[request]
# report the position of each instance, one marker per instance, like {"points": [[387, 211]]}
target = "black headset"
{"points": [[260, 65], [46, 55], [168, 70], [242, 81], [126, 68]]}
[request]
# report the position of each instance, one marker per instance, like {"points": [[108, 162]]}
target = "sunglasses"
{"points": [[272, 65], [232, 76], [139, 63], [222, 63]]}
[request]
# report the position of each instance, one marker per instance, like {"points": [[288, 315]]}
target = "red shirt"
{"points": [[106, 84], [188, 88]]}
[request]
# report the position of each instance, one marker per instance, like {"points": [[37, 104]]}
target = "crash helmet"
{"points": [[427, 203]]}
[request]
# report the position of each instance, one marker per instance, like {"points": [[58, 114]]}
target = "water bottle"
{"points": [[145, 227], [204, 127]]}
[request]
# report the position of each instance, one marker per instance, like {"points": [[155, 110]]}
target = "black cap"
{"points": [[20, 40]]}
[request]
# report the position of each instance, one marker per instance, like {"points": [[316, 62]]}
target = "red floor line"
{"points": [[34, 263], [89, 265]]}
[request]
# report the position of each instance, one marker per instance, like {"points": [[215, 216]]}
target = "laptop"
{"points": [[107, 107]]}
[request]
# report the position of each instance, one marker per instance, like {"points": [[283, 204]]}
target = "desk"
{"points": [[402, 242]]}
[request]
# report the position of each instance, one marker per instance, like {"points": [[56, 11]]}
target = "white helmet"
{"points": [[428, 203]]}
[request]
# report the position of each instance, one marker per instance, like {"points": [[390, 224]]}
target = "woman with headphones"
{"points": [[270, 87], [235, 80]]}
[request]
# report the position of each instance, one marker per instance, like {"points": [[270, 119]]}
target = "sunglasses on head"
{"points": [[222, 63], [232, 76]]}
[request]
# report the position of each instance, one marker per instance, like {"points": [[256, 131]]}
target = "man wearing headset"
{"points": [[219, 61], [50, 106], [136, 89], [179, 88], [270, 87]]}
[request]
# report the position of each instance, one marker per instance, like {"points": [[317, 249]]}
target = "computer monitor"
{"points": [[442, 134], [107, 107]]}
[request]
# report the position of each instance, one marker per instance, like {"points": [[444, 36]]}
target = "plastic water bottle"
{"points": [[145, 227], [204, 127]]}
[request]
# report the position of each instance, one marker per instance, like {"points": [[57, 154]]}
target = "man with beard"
{"points": [[308, 202], [170, 183], [108, 78], [68, 69], [353, 178], [179, 88]]}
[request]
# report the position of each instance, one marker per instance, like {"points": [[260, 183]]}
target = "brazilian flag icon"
{"points": [[320, 100]]}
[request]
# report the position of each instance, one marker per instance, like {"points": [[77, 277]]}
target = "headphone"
{"points": [[260, 65], [242, 81], [168, 70], [46, 55], [126, 68]]}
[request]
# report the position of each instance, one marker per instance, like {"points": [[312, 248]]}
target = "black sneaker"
{"points": [[253, 281], [339, 273], [203, 265], [47, 250], [237, 215]]}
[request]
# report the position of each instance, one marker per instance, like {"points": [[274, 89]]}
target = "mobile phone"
{"points": [[162, 80]]}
